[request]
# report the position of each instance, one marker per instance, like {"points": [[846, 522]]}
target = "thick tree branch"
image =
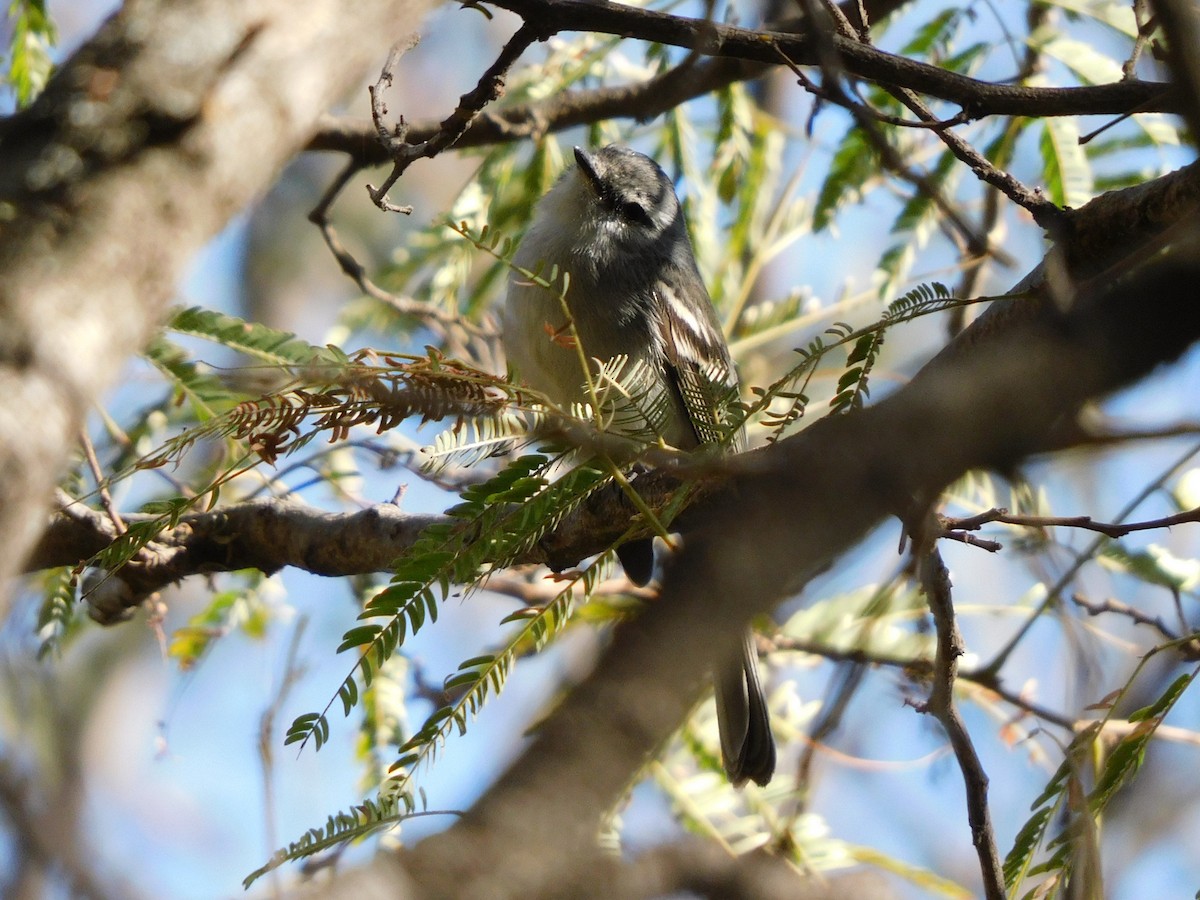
{"points": [[272, 534], [267, 535], [790, 510], [737, 54], [978, 98], [231, 538]]}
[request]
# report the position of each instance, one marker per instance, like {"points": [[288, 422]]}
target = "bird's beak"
{"points": [[588, 168]]}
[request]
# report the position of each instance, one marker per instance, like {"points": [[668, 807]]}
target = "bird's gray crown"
{"points": [[631, 186]]}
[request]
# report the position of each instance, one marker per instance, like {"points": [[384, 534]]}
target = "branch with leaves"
{"points": [[989, 409]]}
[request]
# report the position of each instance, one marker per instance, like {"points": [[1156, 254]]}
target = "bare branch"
{"points": [[935, 580], [1110, 529], [489, 89], [979, 98], [271, 534], [438, 320], [1116, 607]]}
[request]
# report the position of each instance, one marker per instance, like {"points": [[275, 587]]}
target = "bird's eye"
{"points": [[632, 211]]}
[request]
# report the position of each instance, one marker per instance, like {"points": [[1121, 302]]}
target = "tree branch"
{"points": [[790, 509], [100, 218], [935, 580], [271, 534], [230, 538], [403, 152], [1087, 523], [978, 98], [736, 54]]}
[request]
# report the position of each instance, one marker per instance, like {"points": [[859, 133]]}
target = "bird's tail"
{"points": [[747, 747]]}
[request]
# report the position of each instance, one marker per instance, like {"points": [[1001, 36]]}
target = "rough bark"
{"points": [[173, 118]]}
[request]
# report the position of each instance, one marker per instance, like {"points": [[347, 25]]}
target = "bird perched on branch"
{"points": [[659, 364]]}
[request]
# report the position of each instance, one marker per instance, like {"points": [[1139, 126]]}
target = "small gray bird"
{"points": [[640, 308]]}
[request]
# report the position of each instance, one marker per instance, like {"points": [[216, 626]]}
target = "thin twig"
{"points": [[441, 322], [971, 541], [106, 500], [935, 578], [1055, 591], [489, 89], [1146, 24], [844, 685], [833, 70], [1116, 607], [1044, 212], [292, 673], [920, 668], [456, 330], [1109, 529], [992, 207]]}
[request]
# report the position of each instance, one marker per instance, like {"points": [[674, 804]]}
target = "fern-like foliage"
{"points": [[630, 400], [854, 163], [785, 401], [793, 386], [482, 676], [361, 820], [1066, 799], [324, 393], [496, 522], [923, 300], [57, 615], [474, 440], [852, 389], [205, 393]]}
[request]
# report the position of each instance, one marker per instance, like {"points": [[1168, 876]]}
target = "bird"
{"points": [[638, 306]]}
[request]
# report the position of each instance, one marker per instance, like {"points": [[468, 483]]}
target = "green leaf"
{"points": [[1067, 171], [57, 619], [853, 164], [1025, 845], [203, 390], [33, 37], [267, 344], [1127, 756], [1164, 703], [935, 35], [459, 680], [302, 728], [349, 695], [359, 636], [476, 661]]}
